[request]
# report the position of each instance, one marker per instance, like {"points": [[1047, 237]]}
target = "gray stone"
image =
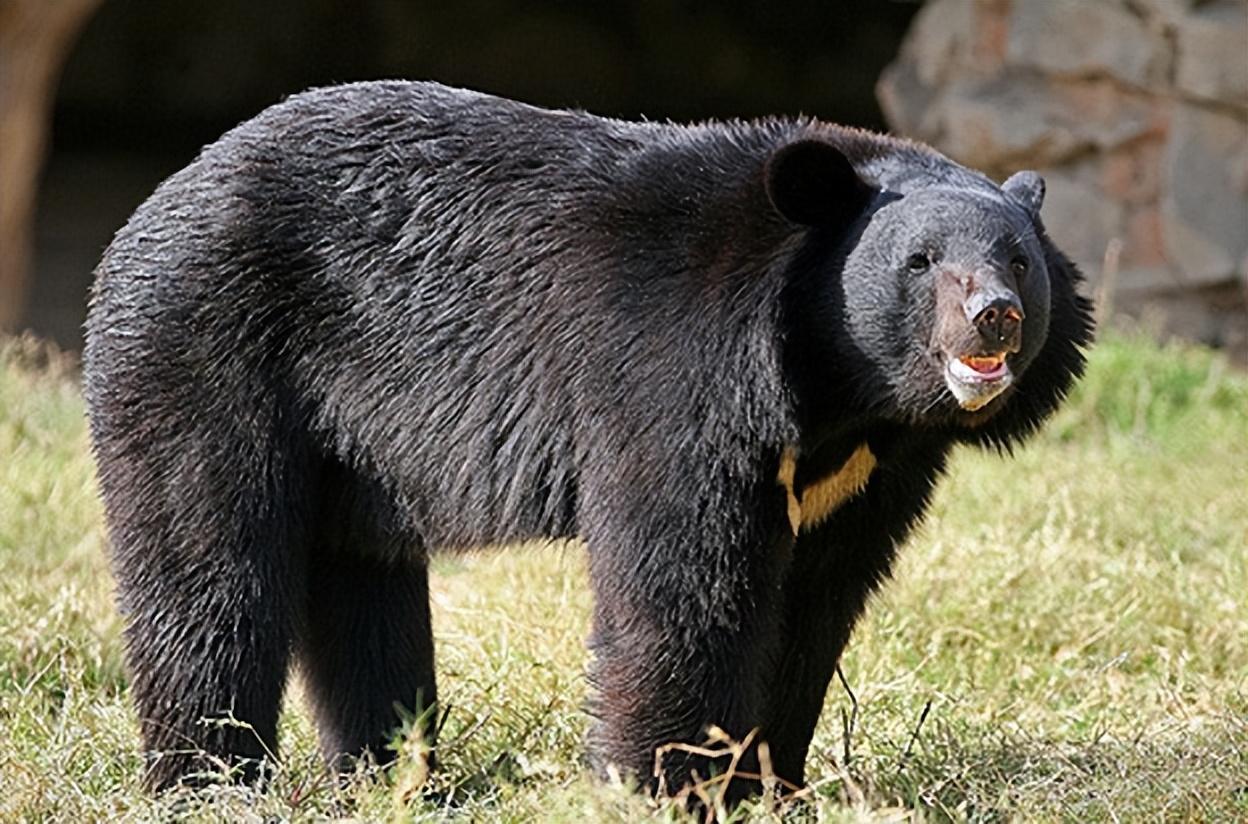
{"points": [[1087, 37], [999, 123], [1205, 203], [1163, 11], [1147, 279], [1213, 315], [938, 42], [904, 99], [1080, 219], [1212, 45], [1012, 121], [935, 50]]}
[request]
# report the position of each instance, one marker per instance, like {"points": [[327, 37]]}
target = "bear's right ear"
{"points": [[812, 183]]}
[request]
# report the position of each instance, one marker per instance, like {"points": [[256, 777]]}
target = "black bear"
{"points": [[386, 318]]}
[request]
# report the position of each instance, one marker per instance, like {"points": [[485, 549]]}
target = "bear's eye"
{"points": [[918, 262], [1020, 265]]}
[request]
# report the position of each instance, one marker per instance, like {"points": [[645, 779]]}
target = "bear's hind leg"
{"points": [[206, 555], [367, 645]]}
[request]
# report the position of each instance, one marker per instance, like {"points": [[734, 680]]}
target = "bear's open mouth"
{"points": [[986, 366], [976, 379]]}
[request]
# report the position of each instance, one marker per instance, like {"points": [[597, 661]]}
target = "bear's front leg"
{"points": [[686, 622], [837, 564]]}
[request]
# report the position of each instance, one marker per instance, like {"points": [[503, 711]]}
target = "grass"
{"points": [[1065, 639]]}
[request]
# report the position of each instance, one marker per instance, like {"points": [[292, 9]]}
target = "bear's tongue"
{"points": [[985, 364]]}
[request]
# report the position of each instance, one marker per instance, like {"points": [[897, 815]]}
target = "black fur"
{"points": [[391, 317]]}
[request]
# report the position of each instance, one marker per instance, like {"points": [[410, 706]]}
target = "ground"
{"points": [[1065, 638]]}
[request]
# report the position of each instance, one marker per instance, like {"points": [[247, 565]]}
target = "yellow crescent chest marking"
{"points": [[788, 468], [826, 495]]}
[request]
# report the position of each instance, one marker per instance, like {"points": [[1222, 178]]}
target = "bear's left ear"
{"points": [[1027, 188], [812, 183]]}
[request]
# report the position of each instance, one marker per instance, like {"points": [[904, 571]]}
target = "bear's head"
{"points": [[933, 290]]}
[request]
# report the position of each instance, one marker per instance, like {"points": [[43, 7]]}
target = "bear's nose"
{"points": [[1000, 324]]}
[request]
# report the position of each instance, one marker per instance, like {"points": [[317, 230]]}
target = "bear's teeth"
{"points": [[988, 363]]}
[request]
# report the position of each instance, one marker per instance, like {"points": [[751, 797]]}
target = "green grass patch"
{"points": [[1066, 639]]}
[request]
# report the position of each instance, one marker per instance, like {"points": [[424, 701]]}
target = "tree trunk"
{"points": [[35, 39]]}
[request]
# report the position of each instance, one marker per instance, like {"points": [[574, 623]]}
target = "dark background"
{"points": [[150, 81]]}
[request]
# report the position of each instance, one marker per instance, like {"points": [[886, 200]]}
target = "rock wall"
{"points": [[1135, 111]]}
